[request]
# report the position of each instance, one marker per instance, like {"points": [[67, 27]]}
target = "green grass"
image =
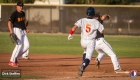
{"points": [[127, 46]]}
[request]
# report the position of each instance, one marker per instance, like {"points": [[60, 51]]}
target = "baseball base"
{"points": [[125, 72]]}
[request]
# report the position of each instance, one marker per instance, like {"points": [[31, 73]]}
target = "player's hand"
{"points": [[105, 16], [27, 31], [69, 37]]}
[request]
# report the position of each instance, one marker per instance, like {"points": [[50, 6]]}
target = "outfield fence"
{"points": [[60, 18]]}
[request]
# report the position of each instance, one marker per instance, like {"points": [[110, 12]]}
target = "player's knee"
{"points": [[19, 45], [27, 47], [112, 55]]}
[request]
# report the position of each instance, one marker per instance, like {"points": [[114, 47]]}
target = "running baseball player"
{"points": [[17, 26], [102, 46], [89, 27]]}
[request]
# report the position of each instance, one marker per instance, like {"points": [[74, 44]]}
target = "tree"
{"points": [[15, 1], [112, 2], [90, 1]]}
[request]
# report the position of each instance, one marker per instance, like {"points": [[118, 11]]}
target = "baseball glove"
{"points": [[14, 38]]}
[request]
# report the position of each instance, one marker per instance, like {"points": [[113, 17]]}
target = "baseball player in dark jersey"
{"points": [[89, 27], [17, 25], [102, 46]]}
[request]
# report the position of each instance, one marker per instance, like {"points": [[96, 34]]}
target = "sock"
{"points": [[86, 63], [84, 55]]}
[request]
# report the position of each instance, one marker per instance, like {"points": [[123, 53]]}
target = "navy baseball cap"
{"points": [[20, 4]]}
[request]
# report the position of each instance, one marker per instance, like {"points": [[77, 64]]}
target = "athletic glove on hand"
{"points": [[14, 38], [69, 37]]}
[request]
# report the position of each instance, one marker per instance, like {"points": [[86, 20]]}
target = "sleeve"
{"points": [[25, 27], [12, 17], [101, 27], [78, 23], [24, 13]]}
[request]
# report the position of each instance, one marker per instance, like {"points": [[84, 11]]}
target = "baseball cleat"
{"points": [[25, 57], [119, 70], [13, 64], [97, 63], [17, 62], [80, 73]]}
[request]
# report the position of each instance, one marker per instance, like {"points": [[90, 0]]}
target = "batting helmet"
{"points": [[90, 11]]}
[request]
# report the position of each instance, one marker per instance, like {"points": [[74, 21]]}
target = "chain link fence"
{"points": [[60, 18]]}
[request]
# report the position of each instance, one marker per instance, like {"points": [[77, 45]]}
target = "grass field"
{"points": [[127, 46]]}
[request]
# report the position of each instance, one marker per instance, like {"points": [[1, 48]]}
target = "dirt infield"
{"points": [[65, 67]]}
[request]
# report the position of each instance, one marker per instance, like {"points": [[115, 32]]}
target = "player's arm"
{"points": [[72, 31], [102, 32], [10, 27], [101, 28], [10, 22], [26, 26], [103, 17]]}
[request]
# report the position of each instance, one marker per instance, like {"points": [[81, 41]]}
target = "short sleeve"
{"points": [[12, 17], [78, 23], [101, 28], [23, 13]]}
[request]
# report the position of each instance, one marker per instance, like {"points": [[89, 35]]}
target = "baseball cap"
{"points": [[20, 4]]}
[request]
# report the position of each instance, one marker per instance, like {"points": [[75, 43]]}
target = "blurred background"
{"points": [[58, 16]]}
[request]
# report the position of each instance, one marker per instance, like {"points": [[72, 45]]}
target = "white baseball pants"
{"points": [[89, 46], [21, 46], [102, 47]]}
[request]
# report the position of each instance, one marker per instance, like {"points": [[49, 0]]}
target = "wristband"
{"points": [[71, 31]]}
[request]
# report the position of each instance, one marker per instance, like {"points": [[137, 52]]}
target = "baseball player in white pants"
{"points": [[17, 25], [89, 27], [102, 47]]}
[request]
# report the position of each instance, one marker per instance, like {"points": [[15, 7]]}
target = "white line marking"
{"points": [[125, 72]]}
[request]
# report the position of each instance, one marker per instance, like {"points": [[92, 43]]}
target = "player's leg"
{"points": [[18, 46], [99, 50], [25, 47], [99, 57], [108, 50], [89, 44], [25, 55], [84, 54]]}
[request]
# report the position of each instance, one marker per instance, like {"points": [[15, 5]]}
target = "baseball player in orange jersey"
{"points": [[102, 47], [17, 25], [89, 27]]}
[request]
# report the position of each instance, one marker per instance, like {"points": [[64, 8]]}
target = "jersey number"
{"points": [[88, 28]]}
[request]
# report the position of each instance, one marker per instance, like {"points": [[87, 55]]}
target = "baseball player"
{"points": [[102, 47], [17, 25], [89, 27]]}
